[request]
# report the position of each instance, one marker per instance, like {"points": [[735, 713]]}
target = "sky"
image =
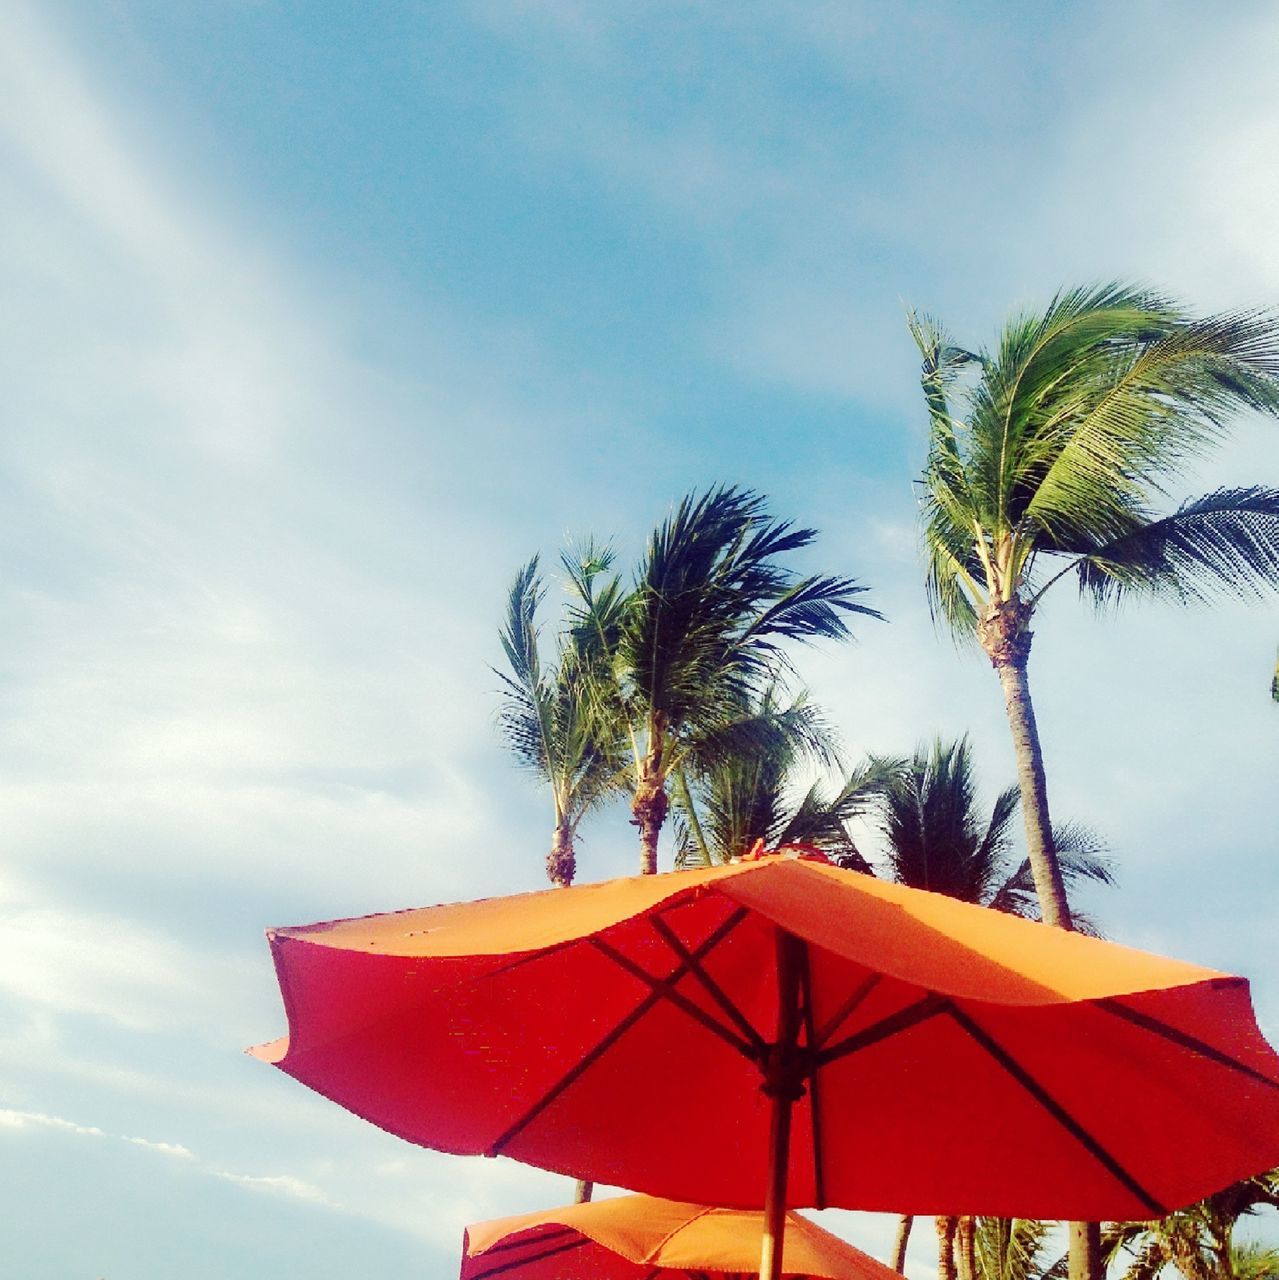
{"points": [[321, 318]]}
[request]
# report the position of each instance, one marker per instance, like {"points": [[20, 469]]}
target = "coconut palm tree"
{"points": [[1053, 461], [1199, 1241], [751, 793], [1049, 458], [1014, 1249], [701, 635], [547, 721]]}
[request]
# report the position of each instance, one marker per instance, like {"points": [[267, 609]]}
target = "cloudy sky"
{"points": [[320, 318]]}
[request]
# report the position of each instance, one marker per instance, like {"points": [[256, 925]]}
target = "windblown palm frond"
{"points": [[1226, 542], [933, 837], [712, 605], [1083, 856], [705, 633], [823, 821], [1198, 1241], [1067, 438]]}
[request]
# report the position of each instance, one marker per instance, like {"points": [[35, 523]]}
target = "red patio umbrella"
{"points": [[644, 1238], [669, 1033]]}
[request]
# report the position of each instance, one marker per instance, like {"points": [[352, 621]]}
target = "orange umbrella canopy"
{"points": [[643, 1238], [929, 1056]]}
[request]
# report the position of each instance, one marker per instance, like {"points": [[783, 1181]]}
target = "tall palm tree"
{"points": [[1054, 460], [546, 718], [1049, 457], [701, 635]]}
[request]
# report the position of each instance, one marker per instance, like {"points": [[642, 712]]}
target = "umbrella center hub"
{"points": [[786, 1068]]}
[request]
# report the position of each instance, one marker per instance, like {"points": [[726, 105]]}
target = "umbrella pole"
{"points": [[783, 1083]]}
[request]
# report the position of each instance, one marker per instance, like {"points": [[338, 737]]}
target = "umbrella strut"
{"points": [[785, 1069]]}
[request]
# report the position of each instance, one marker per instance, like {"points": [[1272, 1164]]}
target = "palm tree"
{"points": [[1199, 1241], [1053, 459], [701, 636], [750, 793], [936, 839], [546, 718], [1014, 1249]]}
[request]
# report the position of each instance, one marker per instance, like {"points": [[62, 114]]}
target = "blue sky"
{"points": [[321, 318]]}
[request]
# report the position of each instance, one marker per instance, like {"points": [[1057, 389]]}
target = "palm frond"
{"points": [[1080, 419], [712, 607], [1226, 542], [1010, 1248], [822, 820]]}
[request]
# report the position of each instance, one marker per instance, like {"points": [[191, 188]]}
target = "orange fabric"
{"points": [[635, 1234], [924, 938], [1056, 1076]]}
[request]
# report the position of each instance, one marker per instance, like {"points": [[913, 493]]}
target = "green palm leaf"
{"points": [[1225, 542]]}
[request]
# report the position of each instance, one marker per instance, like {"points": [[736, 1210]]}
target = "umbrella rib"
{"points": [[929, 1007], [663, 988], [654, 995], [1055, 1109], [716, 992], [523, 1262], [1196, 1046], [814, 1095], [846, 1009], [522, 1241]]}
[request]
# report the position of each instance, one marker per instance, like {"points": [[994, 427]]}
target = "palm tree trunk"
{"points": [[648, 812], [946, 1228], [1049, 887], [904, 1224], [966, 1247], [648, 806], [561, 862]]}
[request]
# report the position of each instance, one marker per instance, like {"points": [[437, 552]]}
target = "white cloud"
{"points": [[174, 1149], [10, 1119], [277, 1184]]}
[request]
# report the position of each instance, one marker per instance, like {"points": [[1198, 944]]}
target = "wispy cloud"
{"points": [[277, 1184], [174, 1149], [10, 1119]]}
